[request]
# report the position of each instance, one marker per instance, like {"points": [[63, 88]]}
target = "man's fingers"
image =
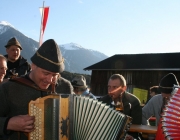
{"points": [[23, 123], [30, 122], [29, 128], [27, 117]]}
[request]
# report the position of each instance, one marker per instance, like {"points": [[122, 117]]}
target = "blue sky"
{"points": [[109, 26]]}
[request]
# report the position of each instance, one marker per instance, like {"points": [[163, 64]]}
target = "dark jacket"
{"points": [[131, 105], [14, 99], [132, 108], [22, 69], [63, 86]]}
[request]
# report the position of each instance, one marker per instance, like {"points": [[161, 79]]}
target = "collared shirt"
{"points": [[88, 93]]}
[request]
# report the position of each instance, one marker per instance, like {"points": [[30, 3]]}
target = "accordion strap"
{"points": [[25, 81]]}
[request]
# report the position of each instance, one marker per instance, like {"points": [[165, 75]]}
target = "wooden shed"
{"points": [[140, 70]]}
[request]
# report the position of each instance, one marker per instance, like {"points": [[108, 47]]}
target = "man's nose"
{"points": [[50, 78], [110, 89], [3, 71]]}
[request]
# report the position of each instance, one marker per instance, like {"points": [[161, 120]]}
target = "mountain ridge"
{"points": [[76, 57]]}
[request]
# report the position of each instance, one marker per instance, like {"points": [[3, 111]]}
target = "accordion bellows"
{"points": [[171, 117], [69, 117]]}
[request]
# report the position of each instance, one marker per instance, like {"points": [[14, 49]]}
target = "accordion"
{"points": [[70, 117], [171, 118]]}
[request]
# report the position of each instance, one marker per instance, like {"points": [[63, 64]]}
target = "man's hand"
{"points": [[128, 137], [24, 123]]}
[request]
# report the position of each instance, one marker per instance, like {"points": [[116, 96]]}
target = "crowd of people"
{"points": [[43, 77]]}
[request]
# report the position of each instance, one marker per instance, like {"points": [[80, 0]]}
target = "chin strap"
{"points": [[53, 85]]}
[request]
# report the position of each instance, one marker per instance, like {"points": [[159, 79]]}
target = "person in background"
{"points": [[3, 67], [156, 104], [63, 86], [16, 64], [130, 104], [47, 63], [80, 87], [154, 90]]}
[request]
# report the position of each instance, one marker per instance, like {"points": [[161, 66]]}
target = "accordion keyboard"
{"points": [[36, 108], [37, 112]]}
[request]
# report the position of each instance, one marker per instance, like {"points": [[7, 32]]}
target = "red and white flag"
{"points": [[44, 16]]}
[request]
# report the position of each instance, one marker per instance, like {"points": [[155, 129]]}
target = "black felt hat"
{"points": [[79, 81], [49, 57], [167, 83], [13, 41]]}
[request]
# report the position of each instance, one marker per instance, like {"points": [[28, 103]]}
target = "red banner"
{"points": [[44, 14]]}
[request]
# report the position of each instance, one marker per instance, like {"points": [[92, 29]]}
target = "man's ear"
{"points": [[6, 50], [33, 66], [124, 88]]}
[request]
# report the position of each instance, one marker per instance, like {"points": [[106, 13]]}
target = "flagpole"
{"points": [[41, 24]]}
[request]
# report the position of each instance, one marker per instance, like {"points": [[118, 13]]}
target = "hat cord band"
{"points": [[50, 60], [165, 87]]}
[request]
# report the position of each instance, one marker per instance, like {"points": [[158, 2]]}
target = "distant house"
{"points": [[140, 70]]}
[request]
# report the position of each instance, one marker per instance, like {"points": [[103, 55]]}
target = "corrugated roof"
{"points": [[153, 61]]}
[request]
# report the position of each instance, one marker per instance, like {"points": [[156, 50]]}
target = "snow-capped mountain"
{"points": [[4, 26], [76, 57]]}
